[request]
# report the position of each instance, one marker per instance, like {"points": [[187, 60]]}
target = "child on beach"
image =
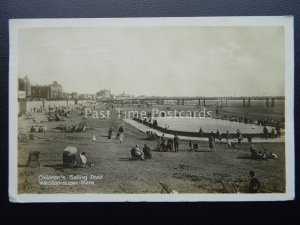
{"points": [[94, 138], [121, 137]]}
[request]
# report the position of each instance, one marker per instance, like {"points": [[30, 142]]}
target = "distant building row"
{"points": [[53, 91], [107, 95], [28, 91]]}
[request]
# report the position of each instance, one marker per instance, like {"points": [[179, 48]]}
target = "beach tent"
{"points": [[71, 157]]}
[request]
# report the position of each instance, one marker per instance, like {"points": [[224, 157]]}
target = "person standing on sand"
{"points": [[110, 132], [278, 133], [121, 137], [190, 145], [227, 135], [200, 132], [93, 138], [121, 133], [211, 143], [176, 142], [162, 138], [121, 129]]}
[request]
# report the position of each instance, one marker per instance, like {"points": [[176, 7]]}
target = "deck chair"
{"points": [[33, 159], [166, 188], [229, 188]]}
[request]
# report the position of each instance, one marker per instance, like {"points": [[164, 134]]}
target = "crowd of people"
{"points": [[245, 119], [261, 155], [141, 154], [75, 158], [119, 135], [173, 144], [166, 145], [273, 133]]}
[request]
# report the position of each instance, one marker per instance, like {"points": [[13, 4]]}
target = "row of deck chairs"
{"points": [[81, 127], [56, 117], [38, 129]]}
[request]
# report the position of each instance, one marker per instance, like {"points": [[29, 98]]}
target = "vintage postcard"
{"points": [[151, 109]]}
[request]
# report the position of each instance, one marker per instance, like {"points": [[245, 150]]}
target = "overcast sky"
{"points": [[161, 61]]}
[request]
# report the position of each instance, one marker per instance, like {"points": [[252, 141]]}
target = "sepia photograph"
{"points": [[151, 109]]}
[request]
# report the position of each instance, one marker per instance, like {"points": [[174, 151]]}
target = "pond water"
{"points": [[207, 125]]}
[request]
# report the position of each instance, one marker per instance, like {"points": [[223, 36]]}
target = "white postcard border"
{"points": [[16, 24]]}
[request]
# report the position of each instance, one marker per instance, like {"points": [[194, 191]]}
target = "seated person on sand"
{"points": [[83, 159], [195, 147], [253, 151], [255, 154], [265, 154], [147, 152], [136, 153], [170, 145], [262, 155], [155, 135], [270, 155], [42, 129], [72, 158], [32, 129], [254, 184], [163, 145]]}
